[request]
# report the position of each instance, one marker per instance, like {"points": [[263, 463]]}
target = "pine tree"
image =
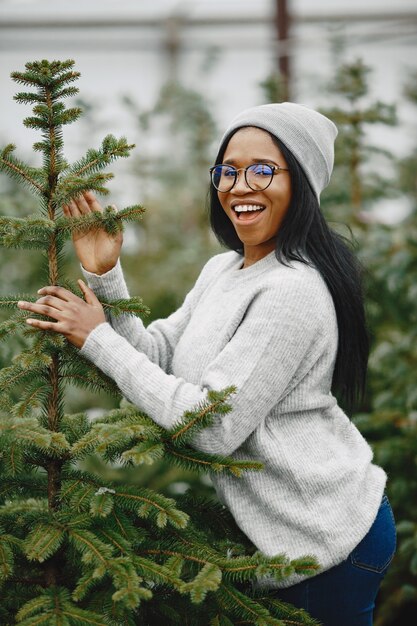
{"points": [[352, 190], [77, 549]]}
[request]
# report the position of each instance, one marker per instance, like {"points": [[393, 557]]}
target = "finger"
{"points": [[82, 205], [89, 295], [72, 209], [52, 301], [58, 292], [93, 202], [42, 325], [40, 309]]}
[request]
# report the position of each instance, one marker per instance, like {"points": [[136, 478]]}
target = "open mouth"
{"points": [[248, 212]]}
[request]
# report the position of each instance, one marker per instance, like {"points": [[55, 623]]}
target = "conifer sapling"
{"points": [[77, 549]]}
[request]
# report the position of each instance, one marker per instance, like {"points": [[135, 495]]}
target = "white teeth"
{"points": [[247, 207]]}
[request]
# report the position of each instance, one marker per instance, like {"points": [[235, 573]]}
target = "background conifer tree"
{"points": [[353, 189], [77, 549], [389, 254]]}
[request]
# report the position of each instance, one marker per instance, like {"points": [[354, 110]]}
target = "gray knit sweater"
{"points": [[271, 331]]}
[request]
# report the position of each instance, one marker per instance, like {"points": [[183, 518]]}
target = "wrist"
{"points": [[99, 271]]}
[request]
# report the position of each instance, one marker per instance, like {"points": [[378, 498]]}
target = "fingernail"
{"points": [[29, 321], [40, 290], [20, 303]]}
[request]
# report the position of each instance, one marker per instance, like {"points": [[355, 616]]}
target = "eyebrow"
{"points": [[264, 160]]}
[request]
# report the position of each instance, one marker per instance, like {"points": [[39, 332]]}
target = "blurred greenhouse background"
{"points": [[169, 75]]}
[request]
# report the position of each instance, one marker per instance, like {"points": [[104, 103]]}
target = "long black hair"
{"points": [[305, 236]]}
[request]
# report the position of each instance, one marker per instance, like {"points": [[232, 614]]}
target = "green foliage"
{"points": [[174, 184], [353, 189], [389, 254], [77, 547]]}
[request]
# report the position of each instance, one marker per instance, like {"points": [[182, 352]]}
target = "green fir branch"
{"points": [[113, 437], [43, 541], [150, 504], [85, 584], [73, 480], [195, 460], [29, 510], [242, 568], [77, 370], [122, 571], [101, 504], [46, 74], [27, 97], [54, 607], [131, 414], [157, 573], [236, 569], [131, 213], [129, 592], [29, 484], [15, 323], [122, 546], [126, 306], [25, 430], [12, 460], [202, 416], [207, 579], [75, 186], [144, 453], [92, 550], [29, 176], [54, 116], [10, 302], [287, 613], [110, 220], [75, 426], [30, 232], [25, 434], [80, 495], [242, 607], [20, 372], [95, 160], [6, 556]]}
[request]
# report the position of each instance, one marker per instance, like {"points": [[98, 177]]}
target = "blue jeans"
{"points": [[345, 595]]}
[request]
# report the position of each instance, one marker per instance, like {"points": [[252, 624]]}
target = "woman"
{"points": [[281, 317]]}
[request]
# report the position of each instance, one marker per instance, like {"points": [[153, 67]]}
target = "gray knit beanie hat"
{"points": [[309, 135]]}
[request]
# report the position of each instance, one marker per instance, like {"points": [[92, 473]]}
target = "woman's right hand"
{"points": [[97, 250]]}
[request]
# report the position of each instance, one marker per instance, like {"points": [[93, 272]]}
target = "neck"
{"points": [[254, 254]]}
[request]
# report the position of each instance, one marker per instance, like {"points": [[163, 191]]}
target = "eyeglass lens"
{"points": [[258, 176]]}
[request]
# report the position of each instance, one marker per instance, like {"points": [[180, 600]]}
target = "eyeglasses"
{"points": [[258, 176]]}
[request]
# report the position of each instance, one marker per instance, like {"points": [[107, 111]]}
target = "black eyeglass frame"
{"points": [[275, 170]]}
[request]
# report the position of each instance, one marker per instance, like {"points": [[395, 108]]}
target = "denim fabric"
{"points": [[345, 595]]}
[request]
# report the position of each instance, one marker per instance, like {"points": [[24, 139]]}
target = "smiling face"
{"points": [[257, 229]]}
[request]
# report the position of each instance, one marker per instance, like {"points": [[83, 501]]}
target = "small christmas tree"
{"points": [[77, 549]]}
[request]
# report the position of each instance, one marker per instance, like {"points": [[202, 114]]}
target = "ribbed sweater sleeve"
{"points": [[262, 357], [159, 339]]}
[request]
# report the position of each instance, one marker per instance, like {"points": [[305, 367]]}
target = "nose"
{"points": [[240, 186]]}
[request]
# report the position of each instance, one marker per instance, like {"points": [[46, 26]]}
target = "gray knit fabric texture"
{"points": [[271, 331], [309, 135]]}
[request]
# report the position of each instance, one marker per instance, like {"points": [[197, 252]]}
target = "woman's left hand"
{"points": [[75, 318]]}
